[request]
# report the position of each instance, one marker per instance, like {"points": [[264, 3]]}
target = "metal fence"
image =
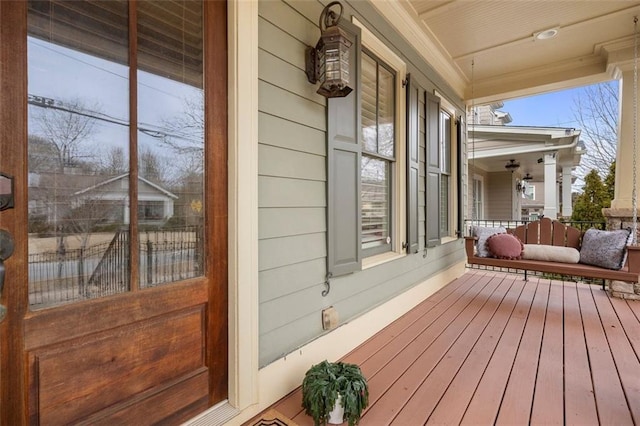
{"points": [[512, 224], [62, 276]]}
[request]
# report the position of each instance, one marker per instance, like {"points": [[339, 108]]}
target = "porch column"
{"points": [[620, 214], [550, 185], [567, 205], [624, 157]]}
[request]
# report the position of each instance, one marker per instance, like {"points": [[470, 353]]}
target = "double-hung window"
{"points": [[445, 173], [443, 168], [366, 159], [477, 195], [378, 154], [383, 141]]}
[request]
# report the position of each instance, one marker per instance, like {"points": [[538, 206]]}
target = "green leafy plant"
{"points": [[323, 383]]}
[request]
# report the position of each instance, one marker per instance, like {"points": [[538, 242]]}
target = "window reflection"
{"points": [[78, 153], [171, 143], [79, 160]]}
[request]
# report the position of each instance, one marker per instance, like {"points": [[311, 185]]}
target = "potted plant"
{"points": [[328, 384]]}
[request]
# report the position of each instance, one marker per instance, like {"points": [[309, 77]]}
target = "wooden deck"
{"points": [[491, 348]]}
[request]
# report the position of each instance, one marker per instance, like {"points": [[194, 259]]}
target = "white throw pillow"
{"points": [[483, 233]]}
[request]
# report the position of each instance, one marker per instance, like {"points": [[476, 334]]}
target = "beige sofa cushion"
{"points": [[550, 253]]}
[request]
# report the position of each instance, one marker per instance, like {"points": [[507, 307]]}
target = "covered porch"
{"points": [[492, 348]]}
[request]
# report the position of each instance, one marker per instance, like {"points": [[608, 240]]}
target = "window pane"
{"points": [[378, 130], [375, 202], [445, 141], [171, 141], [386, 112], [477, 202], [369, 105], [78, 156], [444, 205]]}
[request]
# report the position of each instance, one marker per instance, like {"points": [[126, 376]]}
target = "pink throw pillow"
{"points": [[505, 246]]}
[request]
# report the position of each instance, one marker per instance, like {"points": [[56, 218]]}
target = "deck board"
{"points": [[518, 397], [451, 406], [612, 408], [485, 402], [490, 348], [622, 352], [398, 390], [579, 404], [426, 398], [548, 402]]}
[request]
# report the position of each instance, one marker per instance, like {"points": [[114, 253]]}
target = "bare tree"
{"points": [[42, 155], [66, 126], [596, 111], [185, 133], [86, 213], [150, 166], [114, 161]]}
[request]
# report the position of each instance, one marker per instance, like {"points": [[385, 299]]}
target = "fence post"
{"points": [[81, 283], [149, 261]]}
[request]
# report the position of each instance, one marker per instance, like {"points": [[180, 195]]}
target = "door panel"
{"points": [[107, 368], [117, 289]]}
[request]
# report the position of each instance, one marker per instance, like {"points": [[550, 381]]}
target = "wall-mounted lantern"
{"points": [[328, 62]]}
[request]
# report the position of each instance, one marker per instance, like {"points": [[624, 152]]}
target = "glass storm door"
{"points": [[114, 132]]}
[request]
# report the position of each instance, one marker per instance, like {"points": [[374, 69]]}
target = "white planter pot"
{"points": [[336, 415]]}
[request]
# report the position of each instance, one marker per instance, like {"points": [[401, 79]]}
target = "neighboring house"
{"points": [[488, 115], [519, 172], [107, 197], [155, 204], [350, 206]]}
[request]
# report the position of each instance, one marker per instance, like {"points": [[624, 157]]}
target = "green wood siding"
{"points": [[276, 131], [292, 185]]}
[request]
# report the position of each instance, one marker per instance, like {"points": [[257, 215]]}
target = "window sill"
{"points": [[446, 240], [379, 259]]}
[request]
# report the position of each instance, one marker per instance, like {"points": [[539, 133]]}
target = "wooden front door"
{"points": [[113, 128]]}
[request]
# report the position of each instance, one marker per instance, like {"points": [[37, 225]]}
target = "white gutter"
{"points": [[529, 150]]}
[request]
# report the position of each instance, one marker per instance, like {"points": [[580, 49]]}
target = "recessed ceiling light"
{"points": [[546, 34]]}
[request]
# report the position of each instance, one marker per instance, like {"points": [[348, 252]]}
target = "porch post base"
{"points": [[624, 290], [619, 218]]}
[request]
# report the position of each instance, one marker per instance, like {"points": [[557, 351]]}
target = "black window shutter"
{"points": [[433, 170], [344, 247], [413, 164]]}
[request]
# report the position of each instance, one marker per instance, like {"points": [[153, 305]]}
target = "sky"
{"points": [[553, 109]]}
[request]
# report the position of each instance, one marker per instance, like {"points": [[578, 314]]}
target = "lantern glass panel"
{"points": [[344, 62], [332, 63]]}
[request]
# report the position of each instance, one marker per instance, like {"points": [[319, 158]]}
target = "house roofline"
{"points": [[115, 178]]}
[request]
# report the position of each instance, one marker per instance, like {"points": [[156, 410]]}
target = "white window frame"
{"points": [[474, 203], [398, 178], [450, 109], [531, 188]]}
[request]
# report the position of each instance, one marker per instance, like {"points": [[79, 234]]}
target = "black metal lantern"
{"points": [[328, 62]]}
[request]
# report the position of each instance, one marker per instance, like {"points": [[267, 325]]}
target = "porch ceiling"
{"points": [[594, 37]]}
